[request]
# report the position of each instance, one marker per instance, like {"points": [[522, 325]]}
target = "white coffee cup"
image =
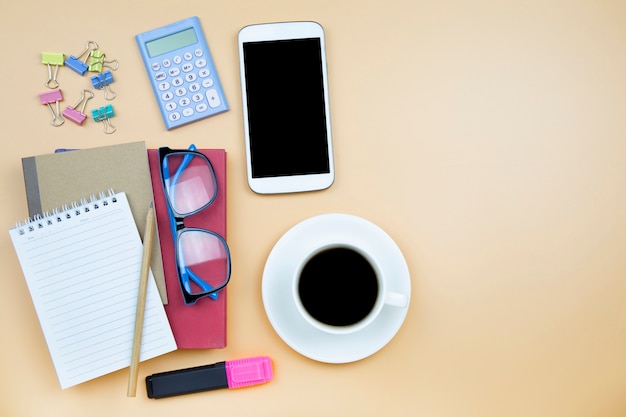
{"points": [[340, 288]]}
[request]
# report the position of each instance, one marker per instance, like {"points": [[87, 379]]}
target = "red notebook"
{"points": [[201, 325]]}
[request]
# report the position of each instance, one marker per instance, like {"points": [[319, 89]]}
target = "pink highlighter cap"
{"points": [[249, 371]]}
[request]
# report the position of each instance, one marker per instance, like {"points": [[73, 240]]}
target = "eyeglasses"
{"points": [[202, 256]]}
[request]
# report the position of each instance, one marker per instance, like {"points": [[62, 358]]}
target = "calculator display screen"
{"points": [[286, 112], [171, 42]]}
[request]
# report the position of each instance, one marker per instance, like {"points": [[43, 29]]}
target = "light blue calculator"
{"points": [[182, 72]]}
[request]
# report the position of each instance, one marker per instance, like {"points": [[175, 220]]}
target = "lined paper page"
{"points": [[83, 276]]}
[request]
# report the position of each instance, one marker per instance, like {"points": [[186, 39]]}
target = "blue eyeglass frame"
{"points": [[177, 225]]}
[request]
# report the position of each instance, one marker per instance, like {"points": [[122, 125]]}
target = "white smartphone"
{"points": [[286, 112]]}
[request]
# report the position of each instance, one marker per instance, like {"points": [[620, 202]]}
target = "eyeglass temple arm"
{"points": [[166, 171], [186, 274], [186, 160]]}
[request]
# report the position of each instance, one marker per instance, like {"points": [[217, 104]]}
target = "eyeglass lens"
{"points": [[189, 182], [202, 254]]}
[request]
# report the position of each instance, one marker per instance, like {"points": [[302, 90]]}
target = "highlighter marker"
{"points": [[230, 374]]}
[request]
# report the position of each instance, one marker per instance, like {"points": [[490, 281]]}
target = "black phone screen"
{"points": [[286, 107]]}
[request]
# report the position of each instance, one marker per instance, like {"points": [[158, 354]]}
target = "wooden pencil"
{"points": [[141, 302]]}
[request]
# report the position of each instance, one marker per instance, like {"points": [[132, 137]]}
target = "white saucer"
{"points": [[292, 248]]}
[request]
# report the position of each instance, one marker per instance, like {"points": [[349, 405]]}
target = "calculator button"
{"points": [[202, 107], [188, 112], [191, 77], [188, 56], [197, 97], [170, 106], [184, 102], [174, 116], [198, 52], [167, 63], [213, 97], [200, 63], [177, 60], [155, 66], [177, 82], [204, 72], [160, 76], [194, 87], [167, 96], [181, 91], [187, 67], [173, 72], [207, 83], [163, 86]]}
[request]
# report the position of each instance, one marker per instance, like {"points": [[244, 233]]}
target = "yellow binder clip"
{"points": [[56, 59]]}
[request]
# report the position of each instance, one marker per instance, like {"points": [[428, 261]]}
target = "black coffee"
{"points": [[338, 287]]}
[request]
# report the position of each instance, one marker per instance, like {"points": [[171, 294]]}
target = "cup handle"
{"points": [[396, 299]]}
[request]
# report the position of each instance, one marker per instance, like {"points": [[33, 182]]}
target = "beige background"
{"points": [[488, 138]]}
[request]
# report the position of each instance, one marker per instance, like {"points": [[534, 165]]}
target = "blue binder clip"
{"points": [[75, 63], [104, 115], [102, 81]]}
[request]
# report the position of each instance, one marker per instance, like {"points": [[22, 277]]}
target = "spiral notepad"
{"points": [[82, 264]]}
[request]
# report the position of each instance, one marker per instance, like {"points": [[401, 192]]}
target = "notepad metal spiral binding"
{"points": [[39, 221]]}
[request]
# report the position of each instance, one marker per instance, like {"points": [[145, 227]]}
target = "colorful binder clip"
{"points": [[97, 61], [102, 81], [104, 115], [78, 116], [50, 97], [75, 63], [56, 59]]}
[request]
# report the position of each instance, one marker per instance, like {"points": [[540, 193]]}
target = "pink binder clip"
{"points": [[50, 97], [78, 116]]}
